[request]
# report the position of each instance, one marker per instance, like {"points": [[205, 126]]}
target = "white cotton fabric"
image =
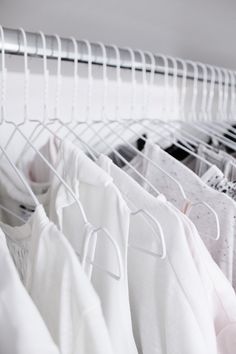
{"points": [[22, 328], [104, 207], [168, 301], [220, 295], [223, 250], [57, 285]]}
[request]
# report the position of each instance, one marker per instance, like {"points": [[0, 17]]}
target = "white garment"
{"points": [[22, 328], [219, 292], [57, 285], [168, 301], [104, 207], [223, 250]]}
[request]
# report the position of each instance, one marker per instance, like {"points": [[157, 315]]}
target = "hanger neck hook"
{"points": [[232, 95], [26, 71], [166, 84], [211, 93], [144, 83], [105, 79], [118, 80], [4, 73], [183, 89], [204, 90], [174, 94], [193, 110], [133, 81], [220, 93], [90, 78], [151, 81], [226, 92], [75, 84], [46, 77], [58, 85]]}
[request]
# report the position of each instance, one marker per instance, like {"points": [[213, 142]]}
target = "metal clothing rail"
{"points": [[14, 45]]}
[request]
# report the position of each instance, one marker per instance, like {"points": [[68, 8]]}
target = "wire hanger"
{"points": [[186, 147], [45, 125], [158, 232], [3, 120], [129, 144], [70, 191], [223, 125], [93, 234], [110, 148], [146, 214], [194, 122], [189, 207], [17, 128]]}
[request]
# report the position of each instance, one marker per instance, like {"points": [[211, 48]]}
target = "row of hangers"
{"points": [[180, 135]]}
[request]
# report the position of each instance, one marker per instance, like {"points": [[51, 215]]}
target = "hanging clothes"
{"points": [[104, 207], [18, 315], [218, 293], [57, 285], [222, 251]]}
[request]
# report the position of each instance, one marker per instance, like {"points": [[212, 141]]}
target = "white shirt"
{"points": [[219, 292], [223, 250], [22, 328], [168, 301], [104, 207], [57, 285]]}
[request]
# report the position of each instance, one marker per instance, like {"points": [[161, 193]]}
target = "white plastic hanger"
{"points": [[169, 126], [70, 191], [3, 120], [207, 206], [45, 124], [17, 128], [94, 233], [201, 126], [97, 132], [128, 143], [158, 232], [224, 124]]}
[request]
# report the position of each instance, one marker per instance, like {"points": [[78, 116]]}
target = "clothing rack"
{"points": [[14, 45]]}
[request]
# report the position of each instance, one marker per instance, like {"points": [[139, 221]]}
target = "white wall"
{"points": [[201, 30]]}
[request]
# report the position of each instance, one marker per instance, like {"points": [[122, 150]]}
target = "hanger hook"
{"points": [[118, 80], [226, 92], [133, 81], [90, 78], [204, 90], [183, 88], [175, 87], [4, 77], [104, 77], [58, 86], [193, 112], [26, 70], [211, 92], [166, 84], [144, 83], [46, 77], [151, 81], [220, 93], [232, 95], [75, 88]]}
